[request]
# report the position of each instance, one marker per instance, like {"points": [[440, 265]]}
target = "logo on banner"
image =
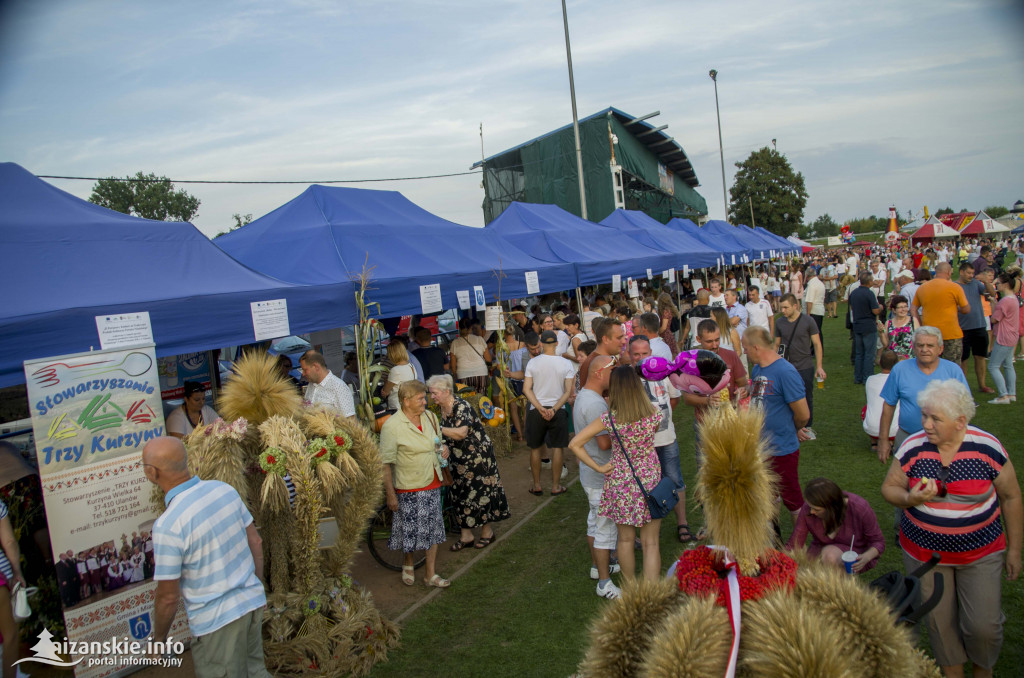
{"points": [[140, 626]]}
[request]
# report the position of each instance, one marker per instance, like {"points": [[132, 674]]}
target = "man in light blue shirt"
{"points": [[207, 552], [907, 379]]}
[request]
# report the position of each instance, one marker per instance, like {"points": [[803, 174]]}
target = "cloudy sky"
{"points": [[917, 102]]}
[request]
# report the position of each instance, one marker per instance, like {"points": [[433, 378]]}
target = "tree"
{"points": [[766, 180], [996, 211], [825, 226], [239, 222], [147, 196]]}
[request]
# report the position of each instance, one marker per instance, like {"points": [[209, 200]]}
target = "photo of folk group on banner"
{"points": [[92, 413]]}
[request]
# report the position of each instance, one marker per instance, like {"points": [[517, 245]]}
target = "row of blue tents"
{"points": [[68, 261]]}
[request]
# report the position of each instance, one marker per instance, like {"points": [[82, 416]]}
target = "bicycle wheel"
{"points": [[377, 535]]}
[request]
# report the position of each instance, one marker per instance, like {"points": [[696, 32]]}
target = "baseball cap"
{"points": [[548, 337]]}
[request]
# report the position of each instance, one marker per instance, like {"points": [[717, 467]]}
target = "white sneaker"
{"points": [[1001, 400], [609, 591], [565, 471], [612, 569]]}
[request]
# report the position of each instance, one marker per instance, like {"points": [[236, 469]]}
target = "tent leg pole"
{"points": [[579, 308]]}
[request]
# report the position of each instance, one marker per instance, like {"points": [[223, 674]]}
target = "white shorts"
{"points": [[602, 530]]}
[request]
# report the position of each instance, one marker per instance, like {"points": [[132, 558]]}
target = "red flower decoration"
{"points": [[702, 571], [322, 452], [270, 459]]}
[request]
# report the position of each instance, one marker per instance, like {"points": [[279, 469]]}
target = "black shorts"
{"points": [[517, 386], [976, 342], [555, 431]]}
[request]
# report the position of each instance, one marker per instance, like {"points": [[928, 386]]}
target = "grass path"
{"points": [[524, 609]]}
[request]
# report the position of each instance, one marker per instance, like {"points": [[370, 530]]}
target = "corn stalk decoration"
{"points": [[509, 400], [367, 332]]}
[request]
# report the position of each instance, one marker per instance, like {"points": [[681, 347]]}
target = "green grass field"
{"points": [[524, 610]]}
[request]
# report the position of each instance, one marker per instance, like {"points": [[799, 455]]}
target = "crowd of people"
{"points": [[922, 331]]}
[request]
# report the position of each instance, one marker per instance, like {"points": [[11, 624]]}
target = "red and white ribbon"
{"points": [[732, 606]]}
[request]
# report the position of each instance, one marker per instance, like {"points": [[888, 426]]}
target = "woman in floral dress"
{"points": [[897, 333], [476, 490], [636, 421]]}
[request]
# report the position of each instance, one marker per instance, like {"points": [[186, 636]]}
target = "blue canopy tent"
{"points": [[327, 234], [727, 248], [648, 231], [67, 261], [598, 252], [762, 246], [782, 245], [725, 232]]}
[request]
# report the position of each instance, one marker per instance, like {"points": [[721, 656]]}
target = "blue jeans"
{"points": [[864, 356], [1002, 357], [668, 457]]}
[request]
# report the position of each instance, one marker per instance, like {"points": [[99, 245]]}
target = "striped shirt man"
{"points": [[964, 525], [201, 540]]}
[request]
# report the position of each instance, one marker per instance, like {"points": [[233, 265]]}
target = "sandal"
{"points": [[555, 493], [459, 545], [408, 575], [536, 493], [684, 535], [484, 542], [437, 581]]}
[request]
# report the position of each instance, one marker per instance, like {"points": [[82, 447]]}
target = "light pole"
{"points": [[721, 153], [575, 119]]}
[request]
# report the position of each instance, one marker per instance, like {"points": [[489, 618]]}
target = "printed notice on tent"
{"points": [[92, 413], [634, 289], [686, 271], [463, 296], [478, 296], [124, 329], [616, 283], [650, 274], [492, 318], [734, 260], [671, 274], [430, 299], [270, 319], [532, 283]]}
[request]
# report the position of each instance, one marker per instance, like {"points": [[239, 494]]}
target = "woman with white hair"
{"points": [[957, 488], [476, 491]]}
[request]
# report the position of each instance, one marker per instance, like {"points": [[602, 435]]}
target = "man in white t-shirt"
{"points": [[547, 385], [851, 264], [664, 396], [650, 324], [759, 311], [894, 266], [878, 278], [830, 277], [324, 387]]}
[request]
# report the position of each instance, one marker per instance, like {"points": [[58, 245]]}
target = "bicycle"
{"points": [[378, 532]]}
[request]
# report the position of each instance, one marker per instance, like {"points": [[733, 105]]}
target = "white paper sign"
{"points": [[463, 296], [671, 274], [492, 318], [734, 260], [650, 274], [270, 319], [478, 298], [772, 253], [634, 289], [430, 299], [616, 283], [125, 329], [686, 271], [532, 283], [762, 254]]}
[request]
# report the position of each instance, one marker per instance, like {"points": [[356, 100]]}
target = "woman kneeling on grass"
{"points": [[635, 421], [834, 519]]}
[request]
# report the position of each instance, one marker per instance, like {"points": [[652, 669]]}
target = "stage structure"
{"points": [[628, 163]]}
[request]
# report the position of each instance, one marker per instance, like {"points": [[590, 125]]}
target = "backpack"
{"points": [[673, 325]]}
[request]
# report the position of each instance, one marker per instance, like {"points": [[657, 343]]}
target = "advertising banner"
{"points": [[92, 413], [175, 370]]}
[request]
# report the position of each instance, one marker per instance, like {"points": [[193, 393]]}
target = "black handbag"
{"points": [[663, 498]]}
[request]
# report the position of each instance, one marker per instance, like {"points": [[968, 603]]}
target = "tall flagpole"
{"points": [[575, 119]]}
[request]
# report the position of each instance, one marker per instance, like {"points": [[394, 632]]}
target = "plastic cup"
{"points": [[849, 558], [821, 382]]}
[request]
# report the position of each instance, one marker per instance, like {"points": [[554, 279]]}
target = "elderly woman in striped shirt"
{"points": [[957, 488]]}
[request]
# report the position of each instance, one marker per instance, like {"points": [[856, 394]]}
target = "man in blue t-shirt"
{"points": [[907, 379], [864, 310], [778, 389]]}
